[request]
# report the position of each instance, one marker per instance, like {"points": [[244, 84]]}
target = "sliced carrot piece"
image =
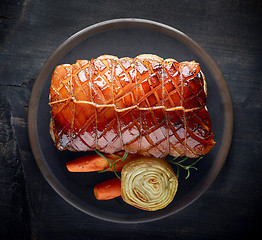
{"points": [[108, 190], [94, 162], [89, 163]]}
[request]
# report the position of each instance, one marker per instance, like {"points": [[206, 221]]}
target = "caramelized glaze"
{"points": [[146, 105]]}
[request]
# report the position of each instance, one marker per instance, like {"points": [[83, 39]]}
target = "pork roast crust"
{"points": [[146, 105]]}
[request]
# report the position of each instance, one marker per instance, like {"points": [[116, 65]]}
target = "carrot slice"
{"points": [[89, 163], [108, 190], [94, 162]]}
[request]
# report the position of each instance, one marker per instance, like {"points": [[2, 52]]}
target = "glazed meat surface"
{"points": [[146, 105]]}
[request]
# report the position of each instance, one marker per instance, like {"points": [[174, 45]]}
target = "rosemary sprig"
{"points": [[112, 163], [124, 156], [179, 164], [101, 155], [185, 167]]}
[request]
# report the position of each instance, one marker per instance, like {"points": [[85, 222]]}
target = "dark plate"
{"points": [[127, 37]]}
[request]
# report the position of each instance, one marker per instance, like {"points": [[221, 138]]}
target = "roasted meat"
{"points": [[146, 105]]}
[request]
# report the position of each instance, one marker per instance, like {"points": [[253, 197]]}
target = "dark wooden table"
{"points": [[230, 31]]}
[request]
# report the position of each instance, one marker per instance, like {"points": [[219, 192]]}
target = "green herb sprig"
{"points": [[185, 167], [112, 163]]}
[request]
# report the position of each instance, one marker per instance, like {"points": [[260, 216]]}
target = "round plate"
{"points": [[127, 37]]}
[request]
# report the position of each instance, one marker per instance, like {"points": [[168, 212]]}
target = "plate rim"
{"points": [[130, 23]]}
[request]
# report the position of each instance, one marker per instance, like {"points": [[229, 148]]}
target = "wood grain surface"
{"points": [[230, 31]]}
